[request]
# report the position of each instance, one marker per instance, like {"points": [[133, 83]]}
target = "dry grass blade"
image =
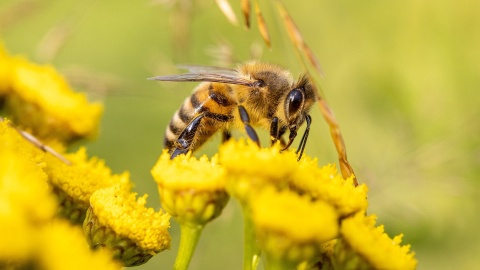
{"points": [[16, 12], [246, 7], [32, 139], [337, 138], [297, 38], [262, 25], [53, 41], [227, 10]]}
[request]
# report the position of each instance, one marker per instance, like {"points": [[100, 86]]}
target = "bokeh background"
{"points": [[401, 76]]}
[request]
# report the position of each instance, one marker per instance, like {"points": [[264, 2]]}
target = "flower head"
{"points": [[62, 246], [25, 198], [325, 183], [74, 184], [372, 245], [250, 167], [128, 216], [192, 190], [39, 99], [292, 227]]}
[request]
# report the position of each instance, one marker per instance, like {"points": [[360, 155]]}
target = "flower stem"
{"points": [[251, 251], [276, 264], [190, 234]]}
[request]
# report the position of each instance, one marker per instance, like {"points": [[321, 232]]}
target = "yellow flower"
{"points": [[74, 184], [372, 244], [326, 184], [41, 100], [250, 167], [25, 198], [191, 190], [290, 227], [117, 219], [62, 246]]}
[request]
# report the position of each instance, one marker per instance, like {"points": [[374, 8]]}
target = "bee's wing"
{"points": [[233, 78]]}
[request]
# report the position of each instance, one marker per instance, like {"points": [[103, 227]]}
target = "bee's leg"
{"points": [[246, 122], [274, 134], [277, 133], [282, 131], [184, 141], [226, 135], [303, 141]]}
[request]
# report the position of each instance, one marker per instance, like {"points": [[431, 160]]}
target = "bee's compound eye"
{"points": [[294, 102]]}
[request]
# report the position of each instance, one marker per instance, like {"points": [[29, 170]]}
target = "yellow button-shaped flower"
{"points": [[372, 245], [192, 190], [291, 227], [122, 223]]}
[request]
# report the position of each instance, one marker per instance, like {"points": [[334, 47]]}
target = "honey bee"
{"points": [[256, 94]]}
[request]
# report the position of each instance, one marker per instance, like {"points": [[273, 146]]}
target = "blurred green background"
{"points": [[401, 76]]}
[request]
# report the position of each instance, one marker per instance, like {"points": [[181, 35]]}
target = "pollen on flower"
{"points": [[326, 184], [24, 183], [290, 227], [84, 176], [127, 216], [191, 190], [62, 246], [294, 216], [25, 198], [374, 245], [187, 172], [246, 158], [41, 100]]}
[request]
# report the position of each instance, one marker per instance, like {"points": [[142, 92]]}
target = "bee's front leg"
{"points": [[277, 133], [246, 123], [185, 139], [274, 134]]}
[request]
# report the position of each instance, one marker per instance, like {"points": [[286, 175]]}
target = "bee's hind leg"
{"points": [[248, 128], [184, 141]]}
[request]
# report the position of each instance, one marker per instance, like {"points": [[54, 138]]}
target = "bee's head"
{"points": [[298, 102]]}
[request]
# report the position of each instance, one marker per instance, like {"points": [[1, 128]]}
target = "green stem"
{"points": [[189, 236], [275, 264], [251, 251]]}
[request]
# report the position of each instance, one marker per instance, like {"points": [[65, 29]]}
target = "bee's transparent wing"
{"points": [[201, 76]]}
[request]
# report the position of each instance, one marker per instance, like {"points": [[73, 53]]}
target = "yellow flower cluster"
{"points": [[39, 99], [296, 207], [31, 236], [118, 209], [301, 214]]}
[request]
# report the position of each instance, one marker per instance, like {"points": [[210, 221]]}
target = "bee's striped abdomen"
{"points": [[211, 100]]}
